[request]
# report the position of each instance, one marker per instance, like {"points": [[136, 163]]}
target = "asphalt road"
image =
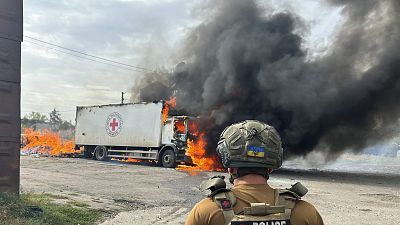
{"points": [[140, 193]]}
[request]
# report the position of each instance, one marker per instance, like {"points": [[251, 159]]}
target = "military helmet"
{"points": [[250, 143]]}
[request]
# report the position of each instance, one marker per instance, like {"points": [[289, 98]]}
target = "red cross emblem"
{"points": [[114, 124]]}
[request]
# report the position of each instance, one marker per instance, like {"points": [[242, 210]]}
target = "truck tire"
{"points": [[168, 159], [100, 153]]}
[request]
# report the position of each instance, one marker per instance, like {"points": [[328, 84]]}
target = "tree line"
{"points": [[53, 120]]}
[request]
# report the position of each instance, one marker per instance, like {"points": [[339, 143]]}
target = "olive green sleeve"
{"points": [[206, 212], [194, 217], [305, 214]]}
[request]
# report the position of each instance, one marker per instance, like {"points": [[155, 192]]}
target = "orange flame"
{"points": [[128, 160], [197, 152], [47, 143], [171, 103], [179, 126], [131, 160]]}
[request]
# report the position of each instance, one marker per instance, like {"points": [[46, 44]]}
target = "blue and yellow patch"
{"points": [[255, 151]]}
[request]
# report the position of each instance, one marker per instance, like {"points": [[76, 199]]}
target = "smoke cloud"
{"points": [[243, 62]]}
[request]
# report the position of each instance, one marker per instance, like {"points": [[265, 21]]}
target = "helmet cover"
{"points": [[250, 143]]}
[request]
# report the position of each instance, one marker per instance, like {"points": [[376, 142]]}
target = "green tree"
{"points": [[66, 125], [32, 119], [36, 116], [55, 119]]}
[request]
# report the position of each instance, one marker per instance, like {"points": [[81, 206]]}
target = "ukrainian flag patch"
{"points": [[255, 151]]}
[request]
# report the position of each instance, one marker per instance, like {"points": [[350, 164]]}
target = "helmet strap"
{"points": [[232, 177]]}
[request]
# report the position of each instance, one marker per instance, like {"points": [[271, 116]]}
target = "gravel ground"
{"points": [[145, 194]]}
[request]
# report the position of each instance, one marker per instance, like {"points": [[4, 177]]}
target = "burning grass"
{"points": [[46, 143]]}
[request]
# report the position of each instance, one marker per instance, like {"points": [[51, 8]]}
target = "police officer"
{"points": [[251, 150]]}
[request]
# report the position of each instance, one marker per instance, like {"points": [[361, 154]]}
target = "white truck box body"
{"points": [[136, 125]]}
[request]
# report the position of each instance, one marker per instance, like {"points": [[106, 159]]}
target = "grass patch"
{"points": [[38, 209], [54, 196], [73, 194], [78, 204]]}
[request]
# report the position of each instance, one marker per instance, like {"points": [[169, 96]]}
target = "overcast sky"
{"points": [[143, 33]]}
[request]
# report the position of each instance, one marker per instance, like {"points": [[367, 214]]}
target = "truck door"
{"points": [[180, 130]]}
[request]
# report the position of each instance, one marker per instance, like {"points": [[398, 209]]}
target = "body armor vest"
{"points": [[258, 213]]}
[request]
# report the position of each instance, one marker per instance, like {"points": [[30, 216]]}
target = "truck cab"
{"points": [[175, 135]]}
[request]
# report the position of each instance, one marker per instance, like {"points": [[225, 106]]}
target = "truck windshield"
{"points": [[179, 126]]}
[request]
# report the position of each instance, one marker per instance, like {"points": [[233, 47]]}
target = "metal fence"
{"points": [[10, 88]]}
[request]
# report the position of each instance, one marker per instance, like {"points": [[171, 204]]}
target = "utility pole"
{"points": [[398, 150], [10, 92], [122, 97]]}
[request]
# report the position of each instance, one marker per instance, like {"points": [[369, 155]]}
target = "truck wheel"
{"points": [[100, 153], [168, 159]]}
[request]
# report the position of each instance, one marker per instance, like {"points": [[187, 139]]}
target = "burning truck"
{"points": [[141, 131]]}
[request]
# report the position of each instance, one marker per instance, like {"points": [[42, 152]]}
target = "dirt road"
{"points": [[146, 194]]}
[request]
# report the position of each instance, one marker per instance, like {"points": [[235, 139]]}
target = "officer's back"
{"points": [[250, 150]]}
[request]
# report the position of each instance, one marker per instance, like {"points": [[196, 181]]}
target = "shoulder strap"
{"points": [[222, 196], [286, 198], [289, 197], [226, 200]]}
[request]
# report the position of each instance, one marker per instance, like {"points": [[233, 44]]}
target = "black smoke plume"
{"points": [[244, 62]]}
